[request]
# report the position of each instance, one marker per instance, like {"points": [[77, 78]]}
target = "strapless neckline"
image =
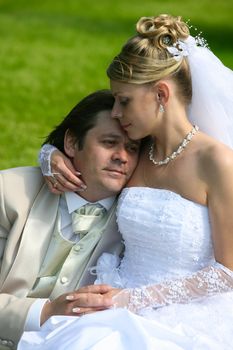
{"points": [[161, 192]]}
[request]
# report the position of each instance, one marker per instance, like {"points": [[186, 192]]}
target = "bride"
{"points": [[173, 287]]}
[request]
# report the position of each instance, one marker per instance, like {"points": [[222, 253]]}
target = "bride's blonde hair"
{"points": [[144, 58]]}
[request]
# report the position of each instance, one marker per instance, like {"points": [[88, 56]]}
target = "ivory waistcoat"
{"points": [[64, 262]]}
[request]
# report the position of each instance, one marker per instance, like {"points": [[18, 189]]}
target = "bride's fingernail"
{"points": [[76, 309], [78, 173], [69, 297]]}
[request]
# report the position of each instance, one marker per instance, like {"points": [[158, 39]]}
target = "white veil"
{"points": [[212, 103]]}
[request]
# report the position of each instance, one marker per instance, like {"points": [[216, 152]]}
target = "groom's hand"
{"points": [[84, 300]]}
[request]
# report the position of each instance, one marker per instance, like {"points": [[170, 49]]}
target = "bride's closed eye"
{"points": [[124, 101]]}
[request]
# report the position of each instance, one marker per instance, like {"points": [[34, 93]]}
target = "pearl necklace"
{"points": [[180, 149]]}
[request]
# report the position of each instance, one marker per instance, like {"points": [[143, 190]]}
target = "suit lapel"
{"points": [[34, 243]]}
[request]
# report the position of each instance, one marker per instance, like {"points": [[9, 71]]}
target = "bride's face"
{"points": [[136, 108]]}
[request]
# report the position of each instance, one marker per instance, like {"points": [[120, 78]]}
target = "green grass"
{"points": [[55, 52]]}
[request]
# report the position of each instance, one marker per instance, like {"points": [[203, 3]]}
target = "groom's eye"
{"points": [[109, 142], [133, 147]]}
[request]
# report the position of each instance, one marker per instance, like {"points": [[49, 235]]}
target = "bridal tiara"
{"points": [[182, 48]]}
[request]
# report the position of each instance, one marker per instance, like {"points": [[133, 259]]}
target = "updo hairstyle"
{"points": [[145, 59]]}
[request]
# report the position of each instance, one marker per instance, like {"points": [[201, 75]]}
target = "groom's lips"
{"points": [[116, 171]]}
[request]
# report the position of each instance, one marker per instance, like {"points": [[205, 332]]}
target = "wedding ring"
{"points": [[54, 181]]}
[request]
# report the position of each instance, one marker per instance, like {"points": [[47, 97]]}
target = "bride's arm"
{"points": [[58, 170], [210, 281], [207, 282]]}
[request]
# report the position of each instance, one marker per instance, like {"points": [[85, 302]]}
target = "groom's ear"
{"points": [[70, 143]]}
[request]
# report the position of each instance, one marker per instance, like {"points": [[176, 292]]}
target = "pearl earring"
{"points": [[161, 108]]}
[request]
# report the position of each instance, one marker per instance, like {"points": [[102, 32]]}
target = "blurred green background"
{"points": [[55, 52]]}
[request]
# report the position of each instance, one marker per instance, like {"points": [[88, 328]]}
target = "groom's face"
{"points": [[107, 159]]}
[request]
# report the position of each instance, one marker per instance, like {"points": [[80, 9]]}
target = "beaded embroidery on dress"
{"points": [[165, 236]]}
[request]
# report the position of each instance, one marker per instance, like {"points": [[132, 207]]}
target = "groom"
{"points": [[43, 255]]}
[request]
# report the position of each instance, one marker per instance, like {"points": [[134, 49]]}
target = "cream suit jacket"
{"points": [[27, 216]]}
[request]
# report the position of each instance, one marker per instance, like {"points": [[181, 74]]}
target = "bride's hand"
{"points": [[82, 301], [110, 297], [64, 176], [93, 298]]}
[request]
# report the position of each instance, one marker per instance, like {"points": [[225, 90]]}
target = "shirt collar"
{"points": [[74, 201]]}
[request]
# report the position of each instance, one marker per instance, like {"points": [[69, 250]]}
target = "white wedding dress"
{"points": [[167, 238]]}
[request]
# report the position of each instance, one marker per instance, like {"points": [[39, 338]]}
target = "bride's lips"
{"points": [[125, 126]]}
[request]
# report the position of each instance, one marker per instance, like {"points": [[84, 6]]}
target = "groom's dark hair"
{"points": [[81, 119]]}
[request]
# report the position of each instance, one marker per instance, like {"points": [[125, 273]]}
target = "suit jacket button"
{"points": [[64, 280], [4, 342]]}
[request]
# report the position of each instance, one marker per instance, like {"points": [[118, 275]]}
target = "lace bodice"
{"points": [[166, 236]]}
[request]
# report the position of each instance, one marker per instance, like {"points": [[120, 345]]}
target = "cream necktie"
{"points": [[86, 217]]}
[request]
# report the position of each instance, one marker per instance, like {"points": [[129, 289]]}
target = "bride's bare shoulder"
{"points": [[216, 159]]}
